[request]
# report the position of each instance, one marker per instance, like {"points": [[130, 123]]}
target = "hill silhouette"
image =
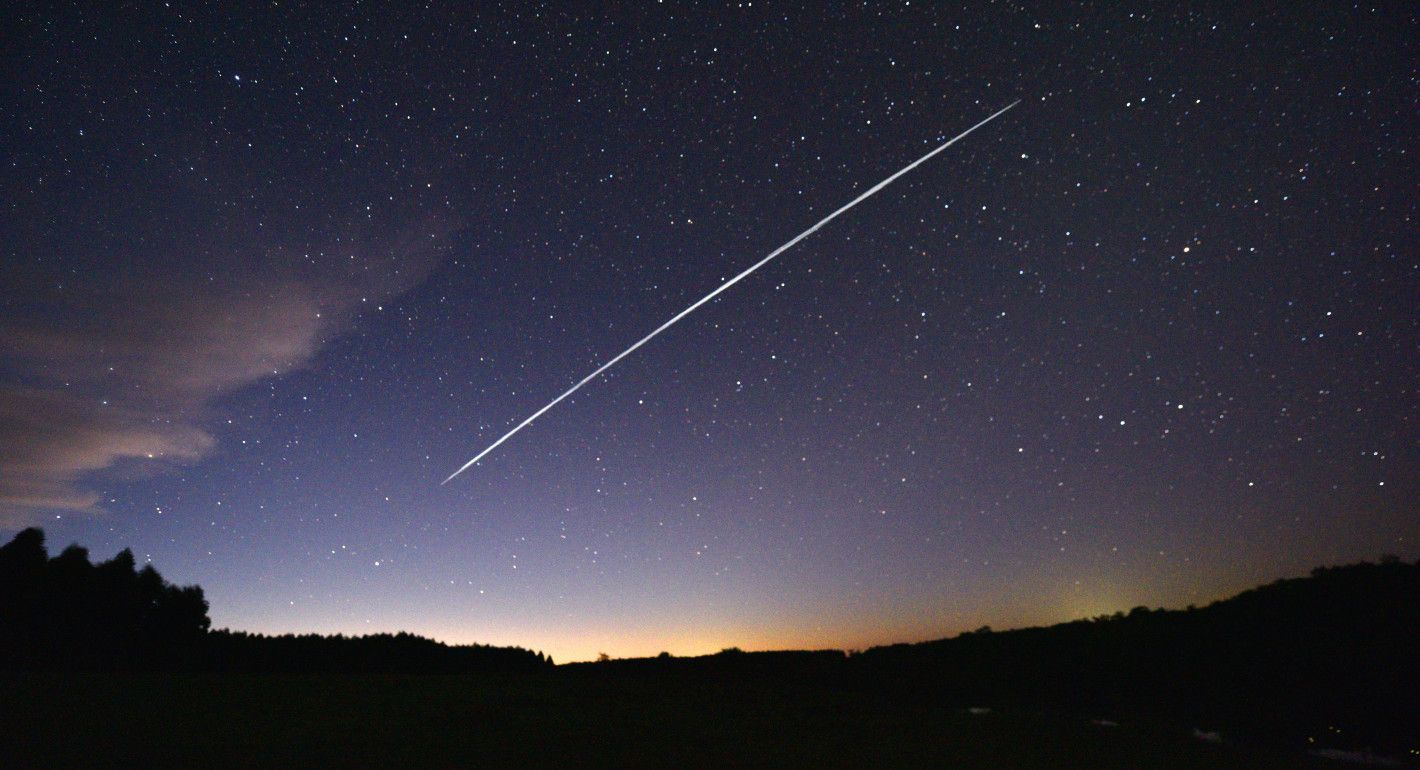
{"points": [[1328, 659], [1329, 655]]}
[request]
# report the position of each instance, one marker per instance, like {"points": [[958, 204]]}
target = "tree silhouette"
{"points": [[65, 612], [68, 613]]}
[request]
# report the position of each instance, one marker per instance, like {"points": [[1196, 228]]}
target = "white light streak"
{"points": [[722, 287]]}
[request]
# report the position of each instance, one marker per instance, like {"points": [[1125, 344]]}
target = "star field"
{"points": [[272, 273]]}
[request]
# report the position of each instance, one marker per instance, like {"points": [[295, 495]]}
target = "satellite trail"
{"points": [[727, 284]]}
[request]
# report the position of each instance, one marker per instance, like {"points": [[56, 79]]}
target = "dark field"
{"points": [[558, 718]]}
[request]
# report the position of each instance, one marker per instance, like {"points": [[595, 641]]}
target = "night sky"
{"points": [[270, 274]]}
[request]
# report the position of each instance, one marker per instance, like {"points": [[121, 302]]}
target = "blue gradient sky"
{"points": [[1148, 339]]}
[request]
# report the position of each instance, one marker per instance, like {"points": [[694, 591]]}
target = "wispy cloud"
{"points": [[53, 437], [107, 376]]}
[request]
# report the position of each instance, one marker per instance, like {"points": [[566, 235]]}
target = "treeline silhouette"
{"points": [[66, 613], [387, 653], [1331, 657]]}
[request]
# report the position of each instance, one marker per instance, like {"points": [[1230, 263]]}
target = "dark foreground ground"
{"points": [[549, 719]]}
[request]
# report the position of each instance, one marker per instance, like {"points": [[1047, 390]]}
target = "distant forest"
{"points": [[1332, 654]]}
